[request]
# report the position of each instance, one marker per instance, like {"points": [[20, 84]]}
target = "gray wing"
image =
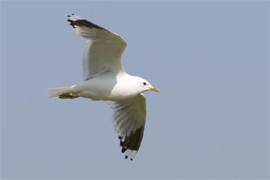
{"points": [[103, 49], [129, 121]]}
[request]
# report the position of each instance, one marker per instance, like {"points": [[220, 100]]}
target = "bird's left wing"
{"points": [[103, 49], [129, 121]]}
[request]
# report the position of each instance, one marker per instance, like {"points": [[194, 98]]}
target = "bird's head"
{"points": [[144, 85]]}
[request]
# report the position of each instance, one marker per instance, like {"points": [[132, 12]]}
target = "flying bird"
{"points": [[104, 78]]}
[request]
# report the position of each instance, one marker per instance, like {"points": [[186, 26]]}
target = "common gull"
{"points": [[105, 79]]}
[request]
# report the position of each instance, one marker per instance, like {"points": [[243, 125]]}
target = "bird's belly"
{"points": [[105, 94], [89, 95], [95, 90], [121, 94], [105, 89]]}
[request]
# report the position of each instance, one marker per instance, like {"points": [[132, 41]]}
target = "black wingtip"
{"points": [[131, 159], [126, 156], [71, 22], [70, 15]]}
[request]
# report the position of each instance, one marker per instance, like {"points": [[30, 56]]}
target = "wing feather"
{"points": [[129, 121], [103, 49]]}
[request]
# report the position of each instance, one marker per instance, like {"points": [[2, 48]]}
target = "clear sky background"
{"points": [[210, 59]]}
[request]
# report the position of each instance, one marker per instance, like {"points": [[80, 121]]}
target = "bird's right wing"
{"points": [[129, 121], [103, 49]]}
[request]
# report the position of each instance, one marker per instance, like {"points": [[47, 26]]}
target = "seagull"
{"points": [[104, 78]]}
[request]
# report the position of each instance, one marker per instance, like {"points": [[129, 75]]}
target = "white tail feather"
{"points": [[55, 92]]}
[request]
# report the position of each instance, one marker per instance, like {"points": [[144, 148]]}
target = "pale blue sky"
{"points": [[209, 59]]}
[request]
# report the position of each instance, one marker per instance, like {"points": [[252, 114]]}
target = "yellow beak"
{"points": [[154, 89]]}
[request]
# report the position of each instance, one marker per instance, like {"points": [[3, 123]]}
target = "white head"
{"points": [[129, 86], [143, 85]]}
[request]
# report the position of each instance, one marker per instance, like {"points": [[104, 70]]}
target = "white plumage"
{"points": [[105, 79]]}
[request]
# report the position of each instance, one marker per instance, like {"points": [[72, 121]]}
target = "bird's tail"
{"points": [[62, 92]]}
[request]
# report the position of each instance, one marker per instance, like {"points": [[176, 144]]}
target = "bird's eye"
{"points": [[144, 83]]}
